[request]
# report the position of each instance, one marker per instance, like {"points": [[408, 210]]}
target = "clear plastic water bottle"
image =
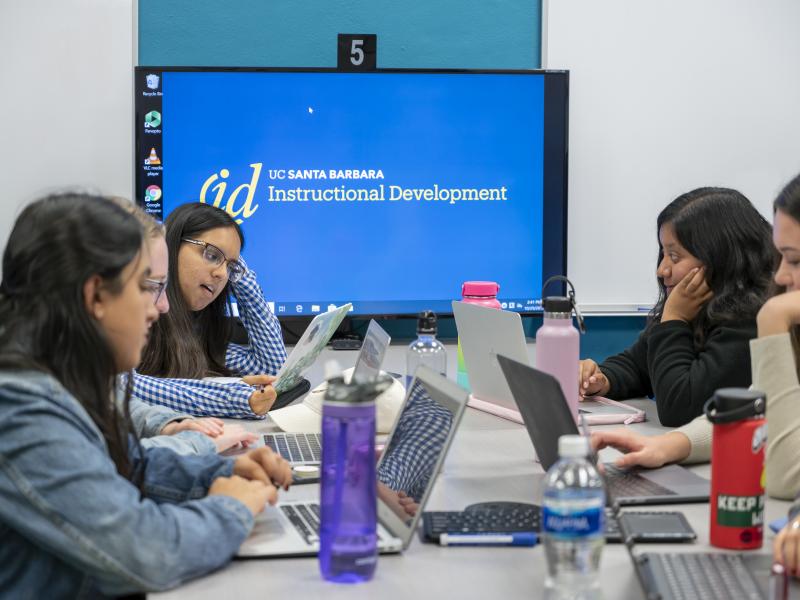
{"points": [[573, 515], [348, 512], [482, 293], [426, 349]]}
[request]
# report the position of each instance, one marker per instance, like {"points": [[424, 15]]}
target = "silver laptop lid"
{"points": [[484, 333], [416, 450], [373, 349]]}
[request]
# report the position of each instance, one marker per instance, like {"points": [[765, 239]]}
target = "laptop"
{"points": [[308, 347], [484, 333], [547, 417], [304, 449], [409, 464], [373, 350], [712, 575]]}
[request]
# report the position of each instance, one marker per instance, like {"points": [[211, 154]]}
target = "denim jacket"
{"points": [[72, 527], [149, 419]]}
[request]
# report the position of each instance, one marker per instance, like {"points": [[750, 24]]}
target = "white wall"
{"points": [[65, 99], [666, 97]]}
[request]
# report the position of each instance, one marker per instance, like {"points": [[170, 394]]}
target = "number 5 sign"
{"points": [[357, 51]]}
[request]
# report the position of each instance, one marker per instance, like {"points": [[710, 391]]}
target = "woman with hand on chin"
{"points": [[86, 511], [192, 341], [775, 359], [714, 261]]}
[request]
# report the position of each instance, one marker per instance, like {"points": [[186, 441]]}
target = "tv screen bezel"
{"points": [[555, 156]]}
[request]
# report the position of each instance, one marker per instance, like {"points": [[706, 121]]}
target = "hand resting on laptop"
{"points": [[649, 451]]}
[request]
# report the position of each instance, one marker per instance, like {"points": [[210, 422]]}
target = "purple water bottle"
{"points": [[348, 519], [558, 343]]}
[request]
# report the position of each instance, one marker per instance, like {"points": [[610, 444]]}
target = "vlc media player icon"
{"points": [[153, 159]]}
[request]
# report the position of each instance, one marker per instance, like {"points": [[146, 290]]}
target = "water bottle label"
{"points": [[574, 518]]}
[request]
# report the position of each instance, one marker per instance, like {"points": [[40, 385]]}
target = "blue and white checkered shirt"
{"points": [[265, 355], [416, 444]]}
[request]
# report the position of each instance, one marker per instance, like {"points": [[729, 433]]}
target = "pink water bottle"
{"points": [[558, 343], [483, 293]]}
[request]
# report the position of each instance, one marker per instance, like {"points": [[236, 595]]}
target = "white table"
{"points": [[490, 459]]}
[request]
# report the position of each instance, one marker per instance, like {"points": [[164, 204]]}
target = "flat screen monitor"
{"points": [[387, 189]]}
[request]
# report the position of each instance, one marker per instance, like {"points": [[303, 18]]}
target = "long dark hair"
{"points": [[725, 232], [56, 245], [184, 343], [788, 202]]}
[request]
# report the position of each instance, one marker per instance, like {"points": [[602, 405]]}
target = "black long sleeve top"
{"points": [[664, 363]]}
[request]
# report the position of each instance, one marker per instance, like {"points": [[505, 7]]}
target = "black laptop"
{"points": [[547, 417]]}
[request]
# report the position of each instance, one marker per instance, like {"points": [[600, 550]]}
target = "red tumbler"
{"points": [[737, 467]]}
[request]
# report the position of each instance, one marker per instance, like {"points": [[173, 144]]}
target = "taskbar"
{"points": [[402, 307]]}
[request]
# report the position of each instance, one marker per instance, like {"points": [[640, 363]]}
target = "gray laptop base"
{"points": [[547, 417], [713, 575]]}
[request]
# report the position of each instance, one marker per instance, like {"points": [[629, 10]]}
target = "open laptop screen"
{"points": [[416, 449], [373, 349]]}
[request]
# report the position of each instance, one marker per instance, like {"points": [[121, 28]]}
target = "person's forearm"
{"points": [[771, 321]]}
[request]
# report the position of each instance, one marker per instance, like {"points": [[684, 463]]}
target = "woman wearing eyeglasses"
{"points": [[158, 425], [192, 341]]}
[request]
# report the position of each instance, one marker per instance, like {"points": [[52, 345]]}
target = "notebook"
{"points": [[433, 404], [547, 417]]}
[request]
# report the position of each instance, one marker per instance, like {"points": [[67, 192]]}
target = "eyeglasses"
{"points": [[155, 287], [216, 257]]}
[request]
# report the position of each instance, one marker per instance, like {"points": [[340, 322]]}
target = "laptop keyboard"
{"points": [[712, 576], [296, 447], [305, 518], [629, 483]]}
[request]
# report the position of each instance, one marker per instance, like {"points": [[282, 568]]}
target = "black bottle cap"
{"points": [[426, 322], [557, 304], [728, 405]]}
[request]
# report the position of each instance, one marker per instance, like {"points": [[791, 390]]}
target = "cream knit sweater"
{"points": [[775, 374]]}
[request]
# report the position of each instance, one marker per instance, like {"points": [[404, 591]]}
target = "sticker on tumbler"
{"points": [[740, 511], [759, 438]]}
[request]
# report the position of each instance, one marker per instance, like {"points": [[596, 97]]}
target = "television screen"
{"points": [[386, 189]]}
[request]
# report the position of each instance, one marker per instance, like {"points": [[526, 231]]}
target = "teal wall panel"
{"points": [[485, 34]]}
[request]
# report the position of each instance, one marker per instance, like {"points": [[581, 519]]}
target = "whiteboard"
{"points": [[67, 99], [666, 97]]}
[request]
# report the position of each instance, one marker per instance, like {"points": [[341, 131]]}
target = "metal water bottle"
{"points": [[737, 467], [558, 343], [348, 495]]}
